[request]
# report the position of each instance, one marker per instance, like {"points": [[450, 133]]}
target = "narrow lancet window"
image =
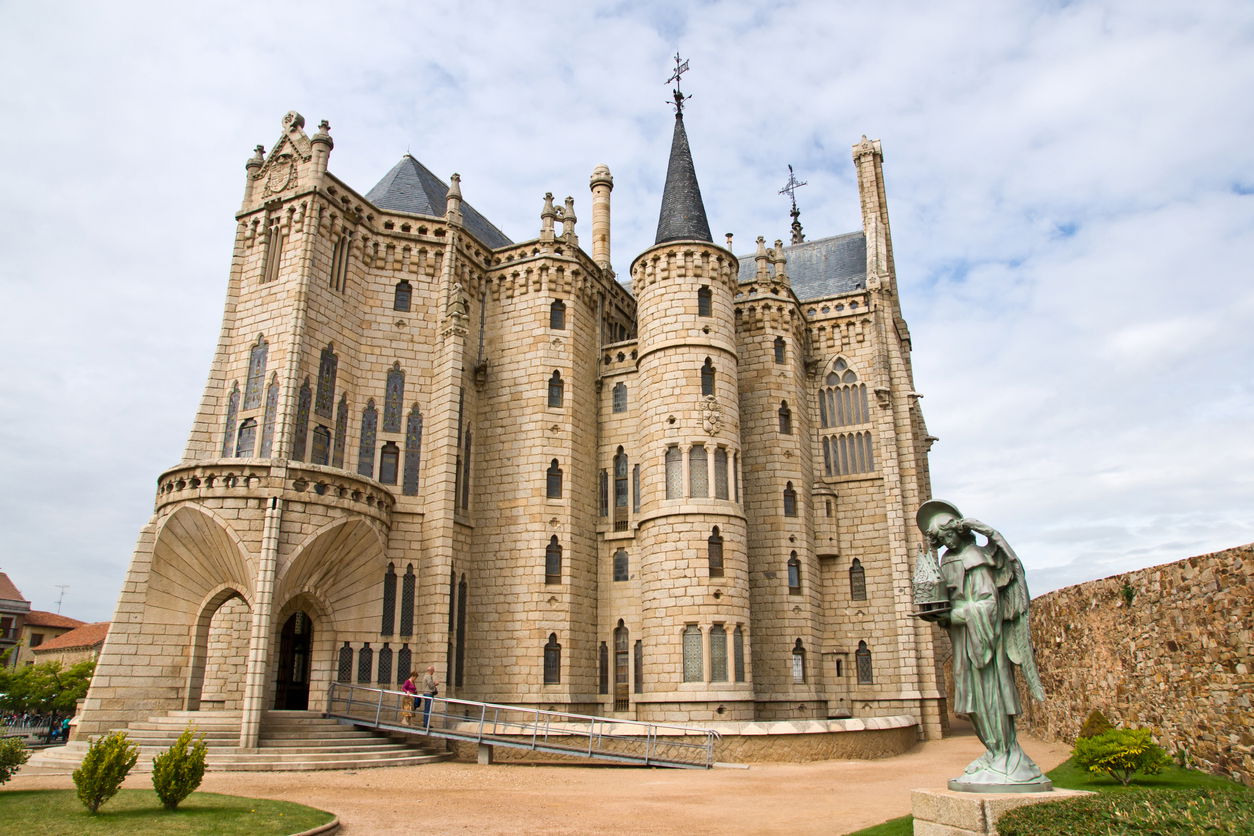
{"points": [[718, 653], [394, 399], [553, 561], [557, 315], [387, 624], [328, 366], [413, 452], [228, 429], [369, 435], [557, 389], [693, 664], [389, 459], [402, 296], [321, 452], [269, 417], [857, 581], [707, 377], [552, 661], [300, 434], [705, 301], [698, 472], [406, 627], [674, 473], [619, 397], [553, 481], [785, 419], [862, 658], [341, 432], [247, 443], [790, 501], [256, 374], [780, 349], [714, 553]]}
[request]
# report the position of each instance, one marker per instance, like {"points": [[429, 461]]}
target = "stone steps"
{"points": [[289, 741]]}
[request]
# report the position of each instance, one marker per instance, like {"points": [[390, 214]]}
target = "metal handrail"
{"points": [[537, 729]]}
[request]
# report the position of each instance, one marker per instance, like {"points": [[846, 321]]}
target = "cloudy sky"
{"points": [[1071, 186]]}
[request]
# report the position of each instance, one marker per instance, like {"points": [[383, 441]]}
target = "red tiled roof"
{"points": [[41, 618], [7, 590], [89, 635]]}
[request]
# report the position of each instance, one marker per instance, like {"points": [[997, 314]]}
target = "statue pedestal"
{"points": [[949, 813]]}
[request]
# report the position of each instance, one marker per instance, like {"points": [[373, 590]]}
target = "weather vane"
{"points": [[790, 189], [681, 67]]}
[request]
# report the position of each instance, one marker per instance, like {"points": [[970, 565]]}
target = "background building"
{"points": [[422, 442]]}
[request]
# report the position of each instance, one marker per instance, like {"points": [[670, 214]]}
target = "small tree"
{"points": [[1095, 724], [177, 772], [13, 753], [104, 768], [1120, 753], [46, 688]]}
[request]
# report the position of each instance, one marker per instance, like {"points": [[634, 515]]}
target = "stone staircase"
{"points": [[290, 741]]}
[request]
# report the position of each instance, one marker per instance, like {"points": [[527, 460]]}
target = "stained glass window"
{"points": [[387, 625], [328, 366], [718, 653], [862, 656], [622, 566], [247, 438], [720, 473], [393, 402], [693, 671], [403, 297], [552, 661], [389, 458], [413, 451], [321, 453], [635, 489], [557, 389], [857, 581], [365, 664], [638, 663], [406, 627], [705, 300], [698, 472], [269, 417], [300, 434], [365, 451], [707, 377], [620, 480], [557, 315], [619, 398], [228, 430], [553, 561], [674, 473], [341, 432], [256, 374], [738, 653]]}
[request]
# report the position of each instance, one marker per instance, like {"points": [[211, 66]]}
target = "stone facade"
{"points": [[421, 443], [1170, 648]]}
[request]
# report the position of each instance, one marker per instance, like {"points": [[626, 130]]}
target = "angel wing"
{"points": [[1014, 606]]}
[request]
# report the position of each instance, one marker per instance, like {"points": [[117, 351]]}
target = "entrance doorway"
{"points": [[291, 690]]}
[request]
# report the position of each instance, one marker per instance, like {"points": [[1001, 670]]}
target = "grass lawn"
{"points": [[1068, 776], [139, 813]]}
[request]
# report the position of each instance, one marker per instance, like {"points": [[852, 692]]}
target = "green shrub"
{"points": [[104, 768], [1120, 753], [177, 772], [1158, 812], [13, 753], [1095, 724]]}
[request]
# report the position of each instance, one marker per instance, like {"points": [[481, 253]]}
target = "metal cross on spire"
{"points": [[790, 189], [681, 67]]}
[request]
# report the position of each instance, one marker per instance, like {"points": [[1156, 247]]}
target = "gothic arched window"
{"points": [[714, 553], [552, 661], [328, 366], [862, 658], [843, 407], [388, 623], [779, 349], [256, 373], [738, 653], [790, 501], [406, 627], [413, 452], [857, 581], [622, 565], [389, 460], [785, 419], [705, 301], [718, 653], [402, 297], [798, 663], [557, 389], [794, 574], [707, 377], [619, 397], [321, 452], [228, 429], [553, 481], [341, 432], [557, 315], [693, 667], [553, 561], [620, 484], [269, 417], [247, 442], [365, 451], [394, 399], [300, 434]]}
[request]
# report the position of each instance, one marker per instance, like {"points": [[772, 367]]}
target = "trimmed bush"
{"points": [[104, 768], [1095, 724], [177, 772], [1120, 753], [13, 753], [1158, 812]]}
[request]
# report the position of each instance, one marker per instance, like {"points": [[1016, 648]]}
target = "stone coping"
{"points": [[746, 728]]}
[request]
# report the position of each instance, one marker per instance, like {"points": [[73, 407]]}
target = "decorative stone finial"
{"points": [[323, 134], [258, 159], [601, 174], [761, 257], [728, 236], [293, 121]]}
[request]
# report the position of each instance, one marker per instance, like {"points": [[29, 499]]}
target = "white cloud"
{"points": [[1069, 187]]}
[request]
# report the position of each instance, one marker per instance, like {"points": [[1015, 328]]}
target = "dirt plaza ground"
{"points": [[825, 797]]}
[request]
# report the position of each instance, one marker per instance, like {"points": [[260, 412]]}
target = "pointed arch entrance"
{"points": [[291, 687]]}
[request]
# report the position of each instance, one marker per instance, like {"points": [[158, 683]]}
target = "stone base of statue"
{"points": [[950, 813]]}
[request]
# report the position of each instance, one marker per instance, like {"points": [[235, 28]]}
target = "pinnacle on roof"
{"points": [[683, 214]]}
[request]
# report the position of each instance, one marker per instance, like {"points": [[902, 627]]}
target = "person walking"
{"points": [[430, 687], [410, 701]]}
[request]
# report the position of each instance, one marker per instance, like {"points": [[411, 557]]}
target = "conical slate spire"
{"points": [[683, 213]]}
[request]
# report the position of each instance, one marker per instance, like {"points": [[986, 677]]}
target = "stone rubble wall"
{"points": [[1177, 658]]}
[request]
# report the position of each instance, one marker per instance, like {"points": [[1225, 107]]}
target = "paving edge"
{"points": [[329, 827]]}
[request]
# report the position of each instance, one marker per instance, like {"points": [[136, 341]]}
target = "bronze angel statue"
{"points": [[983, 603]]}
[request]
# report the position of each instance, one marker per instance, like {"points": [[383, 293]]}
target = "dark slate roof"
{"points": [[411, 187], [822, 268], [683, 214]]}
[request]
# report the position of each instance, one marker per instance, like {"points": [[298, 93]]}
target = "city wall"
{"points": [[1170, 647]]}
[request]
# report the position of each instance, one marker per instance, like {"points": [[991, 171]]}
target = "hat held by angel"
{"points": [[978, 593]]}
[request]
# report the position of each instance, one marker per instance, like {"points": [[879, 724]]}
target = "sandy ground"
{"points": [[827, 797]]}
